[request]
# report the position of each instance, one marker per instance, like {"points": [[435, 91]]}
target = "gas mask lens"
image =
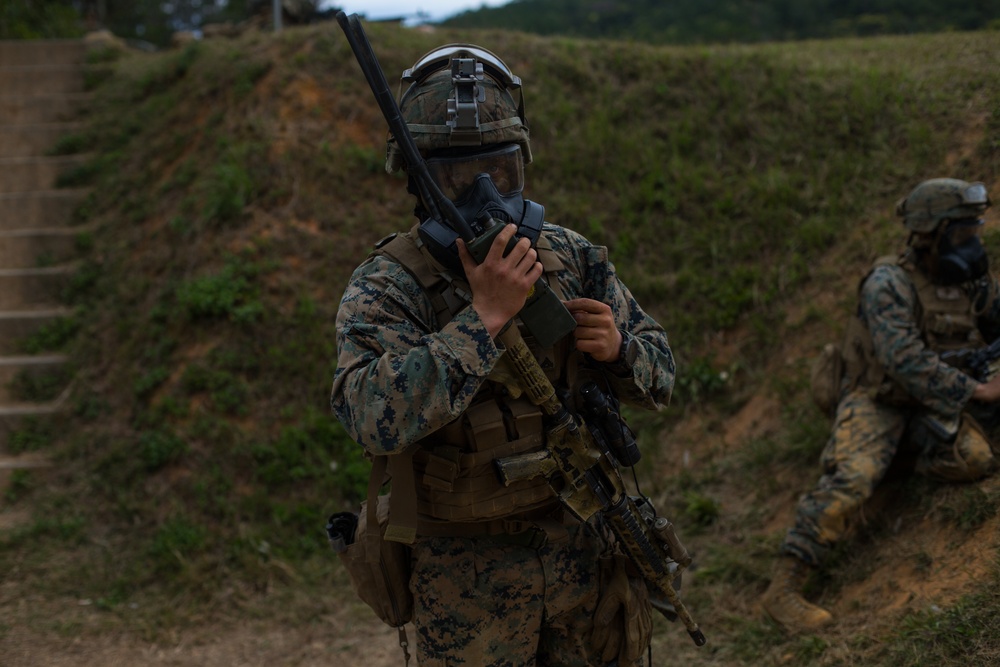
{"points": [[455, 174], [961, 232]]}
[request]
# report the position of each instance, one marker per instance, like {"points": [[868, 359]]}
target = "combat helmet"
{"points": [[941, 199], [460, 96]]}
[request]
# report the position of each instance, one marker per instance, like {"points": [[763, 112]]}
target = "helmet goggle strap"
{"points": [[441, 57], [456, 170], [975, 195]]}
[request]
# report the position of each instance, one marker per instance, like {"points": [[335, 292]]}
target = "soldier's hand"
{"points": [[988, 392], [500, 285], [596, 332]]}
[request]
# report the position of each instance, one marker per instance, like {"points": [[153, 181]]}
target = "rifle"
{"points": [[587, 481], [982, 364], [543, 313]]}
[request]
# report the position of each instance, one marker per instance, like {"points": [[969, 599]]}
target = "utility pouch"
{"points": [[379, 569], [824, 378]]}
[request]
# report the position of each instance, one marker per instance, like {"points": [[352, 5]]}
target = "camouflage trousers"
{"points": [[484, 604], [867, 436]]}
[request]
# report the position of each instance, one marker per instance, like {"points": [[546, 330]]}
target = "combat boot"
{"points": [[783, 599]]}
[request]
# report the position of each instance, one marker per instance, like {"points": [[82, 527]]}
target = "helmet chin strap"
{"points": [[935, 247], [419, 209]]}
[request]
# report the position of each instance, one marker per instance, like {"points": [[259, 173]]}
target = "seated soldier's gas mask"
{"points": [[961, 255]]}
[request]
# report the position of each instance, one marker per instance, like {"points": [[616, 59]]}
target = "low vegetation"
{"points": [[742, 191]]}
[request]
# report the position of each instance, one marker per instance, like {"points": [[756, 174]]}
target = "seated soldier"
{"points": [[903, 384]]}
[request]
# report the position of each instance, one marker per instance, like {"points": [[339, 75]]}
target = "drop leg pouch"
{"points": [[379, 569]]}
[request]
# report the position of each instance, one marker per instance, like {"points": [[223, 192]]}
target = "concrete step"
{"points": [[23, 461], [42, 79], [40, 108], [44, 208], [33, 248], [35, 140], [35, 365], [16, 325], [34, 289], [42, 52], [30, 174]]}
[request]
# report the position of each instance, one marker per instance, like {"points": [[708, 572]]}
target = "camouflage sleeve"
{"points": [[590, 273], [398, 379], [889, 307]]}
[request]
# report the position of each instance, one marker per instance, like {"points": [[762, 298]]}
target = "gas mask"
{"points": [[486, 188], [961, 255], [482, 184]]}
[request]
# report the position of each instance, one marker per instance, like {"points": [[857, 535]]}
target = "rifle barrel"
{"points": [[440, 206]]}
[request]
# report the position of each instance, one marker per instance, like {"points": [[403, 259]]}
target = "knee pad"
{"points": [[971, 456]]}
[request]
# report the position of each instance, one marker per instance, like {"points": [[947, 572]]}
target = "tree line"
{"points": [[714, 21], [149, 21]]}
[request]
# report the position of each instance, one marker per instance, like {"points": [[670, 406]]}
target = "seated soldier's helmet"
{"points": [[941, 199], [460, 96]]}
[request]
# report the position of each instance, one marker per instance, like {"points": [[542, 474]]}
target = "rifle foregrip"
{"points": [[536, 385]]}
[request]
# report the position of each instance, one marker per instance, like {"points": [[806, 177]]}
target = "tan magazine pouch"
{"points": [[824, 378]]}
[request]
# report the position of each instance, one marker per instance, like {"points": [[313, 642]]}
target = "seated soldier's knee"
{"points": [[971, 457]]}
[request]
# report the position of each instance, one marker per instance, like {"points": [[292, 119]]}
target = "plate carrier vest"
{"points": [[946, 318], [450, 473]]}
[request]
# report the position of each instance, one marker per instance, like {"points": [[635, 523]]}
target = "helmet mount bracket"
{"points": [[463, 108]]}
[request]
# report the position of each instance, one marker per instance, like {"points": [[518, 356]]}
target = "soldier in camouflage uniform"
{"points": [[501, 575], [900, 391]]}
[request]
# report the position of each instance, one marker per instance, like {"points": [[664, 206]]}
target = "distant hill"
{"points": [[713, 21]]}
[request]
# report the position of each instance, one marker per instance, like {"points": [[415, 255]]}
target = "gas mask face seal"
{"points": [[482, 183], [961, 255]]}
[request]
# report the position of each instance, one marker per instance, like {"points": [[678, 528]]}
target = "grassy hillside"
{"points": [[236, 184]]}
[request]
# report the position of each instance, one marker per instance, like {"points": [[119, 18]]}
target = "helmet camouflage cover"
{"points": [[460, 95], [941, 199]]}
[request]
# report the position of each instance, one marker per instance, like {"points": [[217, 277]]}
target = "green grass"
{"points": [[963, 634], [50, 337]]}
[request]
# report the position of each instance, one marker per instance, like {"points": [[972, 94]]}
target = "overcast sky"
{"points": [[436, 9]]}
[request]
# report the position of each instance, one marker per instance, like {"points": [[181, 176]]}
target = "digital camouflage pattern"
{"points": [[398, 378], [889, 305], [510, 605], [868, 433], [425, 110]]}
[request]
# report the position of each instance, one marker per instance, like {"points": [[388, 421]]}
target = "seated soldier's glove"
{"points": [[623, 620]]}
